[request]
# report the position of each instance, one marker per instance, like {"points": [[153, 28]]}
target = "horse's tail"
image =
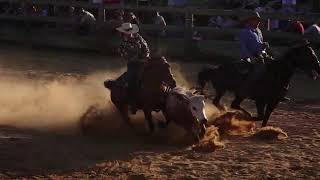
{"points": [[205, 75]]}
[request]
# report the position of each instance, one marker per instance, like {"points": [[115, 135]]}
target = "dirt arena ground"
{"points": [[43, 94]]}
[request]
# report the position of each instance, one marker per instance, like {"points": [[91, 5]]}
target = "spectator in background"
{"points": [[295, 27], [161, 23], [229, 22], [289, 5], [273, 7], [212, 22], [250, 4], [44, 12], [177, 3], [70, 11], [313, 29], [223, 22], [111, 1], [130, 17], [119, 16], [160, 32], [87, 22]]}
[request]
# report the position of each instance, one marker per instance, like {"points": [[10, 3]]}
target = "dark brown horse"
{"points": [[156, 94], [270, 88], [156, 78]]}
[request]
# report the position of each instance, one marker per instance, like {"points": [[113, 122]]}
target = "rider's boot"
{"points": [[133, 108]]}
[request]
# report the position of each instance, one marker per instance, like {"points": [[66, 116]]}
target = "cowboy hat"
{"points": [[128, 28], [250, 15]]}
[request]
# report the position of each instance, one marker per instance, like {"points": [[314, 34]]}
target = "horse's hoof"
{"points": [[255, 119], [149, 128], [162, 124]]}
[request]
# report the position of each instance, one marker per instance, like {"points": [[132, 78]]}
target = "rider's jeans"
{"points": [[134, 70]]}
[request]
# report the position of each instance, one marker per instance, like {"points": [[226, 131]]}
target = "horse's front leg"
{"points": [[164, 124], [261, 106], [216, 100], [148, 117], [125, 115], [236, 104], [269, 110]]}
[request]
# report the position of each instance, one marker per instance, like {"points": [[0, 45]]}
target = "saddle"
{"points": [[243, 67]]}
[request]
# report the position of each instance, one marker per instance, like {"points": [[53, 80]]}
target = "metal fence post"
{"points": [[188, 46], [101, 14]]}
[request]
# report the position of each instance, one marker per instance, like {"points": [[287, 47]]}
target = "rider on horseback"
{"points": [[134, 49], [253, 50]]}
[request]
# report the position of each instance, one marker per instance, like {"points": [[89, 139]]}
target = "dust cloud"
{"points": [[47, 101], [42, 104]]}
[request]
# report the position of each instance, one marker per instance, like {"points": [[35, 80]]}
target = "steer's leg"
{"points": [[148, 117], [125, 115]]}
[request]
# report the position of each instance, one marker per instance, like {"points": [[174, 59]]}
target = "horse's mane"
{"points": [[293, 49]]}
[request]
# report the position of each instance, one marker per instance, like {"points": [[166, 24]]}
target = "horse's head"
{"points": [[197, 108], [161, 68], [304, 58], [109, 84]]}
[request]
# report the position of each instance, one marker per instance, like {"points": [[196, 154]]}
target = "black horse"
{"points": [[270, 88]]}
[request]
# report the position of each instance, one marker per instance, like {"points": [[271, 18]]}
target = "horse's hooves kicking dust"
{"points": [[211, 141], [270, 133], [234, 123]]}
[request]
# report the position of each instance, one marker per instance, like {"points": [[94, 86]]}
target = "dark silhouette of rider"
{"points": [[134, 49], [253, 50]]}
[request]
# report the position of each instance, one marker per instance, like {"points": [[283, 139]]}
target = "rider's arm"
{"points": [[251, 43], [145, 48], [244, 51]]}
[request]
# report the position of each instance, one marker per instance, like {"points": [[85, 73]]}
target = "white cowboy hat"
{"points": [[128, 28]]}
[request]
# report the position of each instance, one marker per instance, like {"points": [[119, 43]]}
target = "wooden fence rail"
{"points": [[188, 12]]}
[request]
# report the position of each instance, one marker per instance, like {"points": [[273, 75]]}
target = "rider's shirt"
{"points": [[134, 49], [251, 42]]}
